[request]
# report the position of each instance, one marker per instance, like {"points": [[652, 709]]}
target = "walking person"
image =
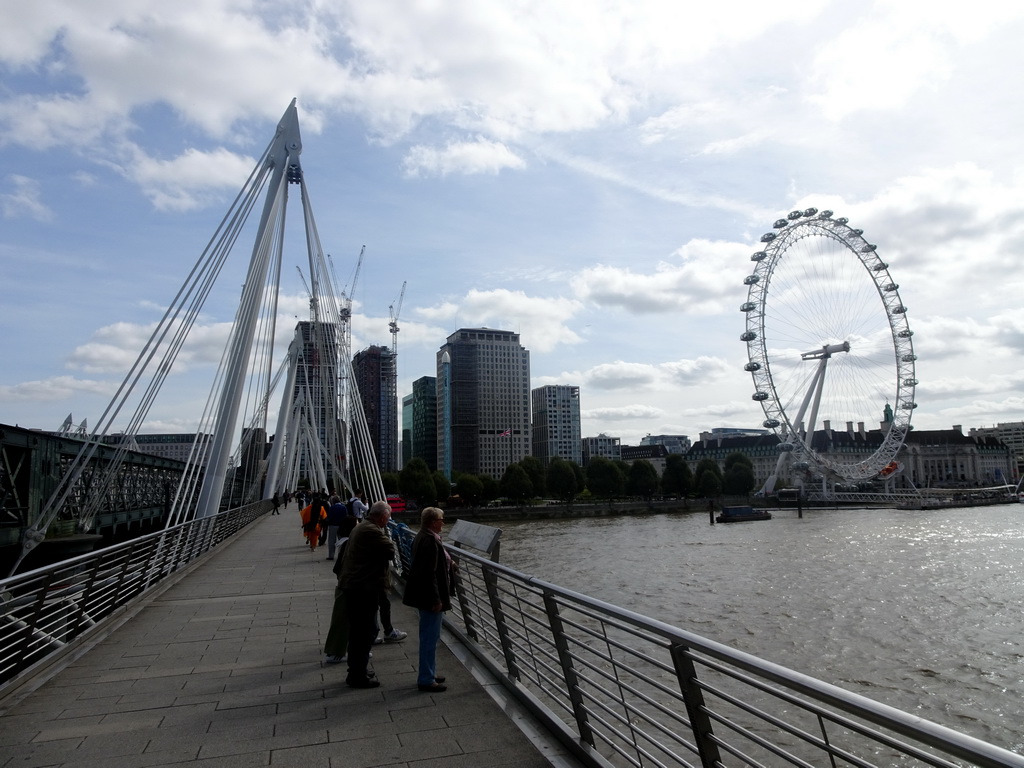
{"points": [[336, 515], [368, 555], [313, 519], [429, 589], [276, 501]]}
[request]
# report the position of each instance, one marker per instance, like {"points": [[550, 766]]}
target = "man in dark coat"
{"points": [[429, 589], [368, 555]]}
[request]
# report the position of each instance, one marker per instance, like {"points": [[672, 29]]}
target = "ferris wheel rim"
{"points": [[775, 245]]}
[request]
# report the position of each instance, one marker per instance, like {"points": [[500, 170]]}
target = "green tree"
{"points": [[416, 482], [642, 480], [735, 458], [470, 488], [738, 479], [676, 480], [581, 478], [604, 478], [709, 485], [705, 466], [442, 488], [390, 481], [515, 483], [491, 488], [535, 471], [561, 480]]}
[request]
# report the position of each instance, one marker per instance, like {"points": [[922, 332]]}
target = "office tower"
{"points": [[484, 401], [407, 429], [424, 420], [315, 403], [556, 423], [374, 371]]}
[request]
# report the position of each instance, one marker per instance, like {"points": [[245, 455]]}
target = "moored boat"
{"points": [[742, 515]]}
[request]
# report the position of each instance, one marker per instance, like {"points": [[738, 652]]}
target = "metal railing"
{"points": [[43, 610], [621, 689]]}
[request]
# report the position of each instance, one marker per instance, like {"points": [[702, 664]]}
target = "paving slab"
{"points": [[224, 667]]}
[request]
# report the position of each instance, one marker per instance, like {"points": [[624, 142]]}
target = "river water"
{"points": [[921, 610]]}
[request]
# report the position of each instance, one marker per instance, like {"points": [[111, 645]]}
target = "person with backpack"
{"points": [[357, 505], [336, 515]]}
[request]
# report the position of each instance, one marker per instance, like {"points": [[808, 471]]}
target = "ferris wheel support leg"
{"points": [[818, 385]]}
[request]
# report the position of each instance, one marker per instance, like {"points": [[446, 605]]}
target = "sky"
{"points": [[593, 175]]}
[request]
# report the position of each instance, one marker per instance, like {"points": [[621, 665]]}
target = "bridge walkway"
{"points": [[222, 666]]}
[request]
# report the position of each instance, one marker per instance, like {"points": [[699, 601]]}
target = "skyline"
{"points": [[595, 182]]}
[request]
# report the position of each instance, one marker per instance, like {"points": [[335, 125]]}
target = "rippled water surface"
{"points": [[921, 610]]}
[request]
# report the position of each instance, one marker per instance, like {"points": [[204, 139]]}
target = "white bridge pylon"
{"points": [[321, 434]]}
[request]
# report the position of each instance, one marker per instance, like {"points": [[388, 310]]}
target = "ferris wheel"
{"points": [[829, 348]]}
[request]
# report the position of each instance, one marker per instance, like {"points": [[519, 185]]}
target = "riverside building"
{"points": [[602, 445], [423, 433], [483, 401], [556, 423], [374, 369]]}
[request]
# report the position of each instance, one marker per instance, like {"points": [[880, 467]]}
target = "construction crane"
{"points": [[394, 311], [348, 291], [305, 285]]}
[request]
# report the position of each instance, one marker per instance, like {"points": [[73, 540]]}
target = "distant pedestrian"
{"points": [[277, 504], [368, 555], [429, 589], [358, 504], [336, 514], [314, 517]]}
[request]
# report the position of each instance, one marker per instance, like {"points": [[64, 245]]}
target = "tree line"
{"points": [[567, 481]]}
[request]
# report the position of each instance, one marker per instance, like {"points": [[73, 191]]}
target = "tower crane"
{"points": [[309, 293], [394, 311], [349, 290]]}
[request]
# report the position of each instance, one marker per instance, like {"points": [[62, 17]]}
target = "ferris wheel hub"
{"points": [[826, 351]]}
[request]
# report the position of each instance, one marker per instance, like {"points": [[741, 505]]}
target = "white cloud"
{"points": [[25, 200], [190, 179], [540, 321], [114, 348], [706, 277], [480, 156], [53, 389], [896, 50], [623, 413]]}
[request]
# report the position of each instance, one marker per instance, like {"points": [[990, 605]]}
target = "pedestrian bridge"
{"points": [[204, 642]]}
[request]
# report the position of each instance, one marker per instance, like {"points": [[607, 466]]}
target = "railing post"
{"points": [[467, 614], [500, 624], [568, 669], [86, 596], [23, 646], [693, 698]]}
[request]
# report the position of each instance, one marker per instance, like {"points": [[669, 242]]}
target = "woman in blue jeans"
{"points": [[429, 589]]}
